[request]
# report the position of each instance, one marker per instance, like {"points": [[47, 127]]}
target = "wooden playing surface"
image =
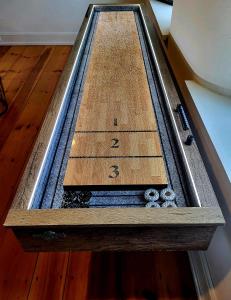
{"points": [[116, 140], [115, 144]]}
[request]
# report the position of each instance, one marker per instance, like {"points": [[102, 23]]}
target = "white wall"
{"points": [[202, 30], [163, 13], [41, 21]]}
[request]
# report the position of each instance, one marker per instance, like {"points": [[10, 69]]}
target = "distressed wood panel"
{"points": [[188, 216], [118, 238]]}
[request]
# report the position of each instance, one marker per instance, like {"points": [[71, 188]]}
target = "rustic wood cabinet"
{"points": [[115, 109]]}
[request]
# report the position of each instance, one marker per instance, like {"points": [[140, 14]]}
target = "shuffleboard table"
{"points": [[115, 166]]}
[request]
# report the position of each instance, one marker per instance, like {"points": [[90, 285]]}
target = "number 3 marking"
{"points": [[115, 171]]}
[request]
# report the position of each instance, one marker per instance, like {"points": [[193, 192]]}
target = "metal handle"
{"points": [[183, 118]]}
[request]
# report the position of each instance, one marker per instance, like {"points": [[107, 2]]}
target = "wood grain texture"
{"points": [[49, 276], [82, 279], [9, 58], [30, 119], [78, 276], [115, 171], [3, 50], [144, 283], [116, 144], [17, 267], [115, 229], [188, 216], [132, 275], [14, 79], [18, 85], [116, 85], [116, 97], [117, 238]]}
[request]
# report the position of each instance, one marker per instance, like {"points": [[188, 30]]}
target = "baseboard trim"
{"points": [[38, 38], [201, 275]]}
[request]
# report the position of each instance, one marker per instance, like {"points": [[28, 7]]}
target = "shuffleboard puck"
{"points": [[167, 195], [152, 204], [151, 195], [168, 204]]}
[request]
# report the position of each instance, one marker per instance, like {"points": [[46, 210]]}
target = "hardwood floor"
{"points": [[30, 74]]}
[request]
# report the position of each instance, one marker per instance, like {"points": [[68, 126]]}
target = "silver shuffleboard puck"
{"points": [[167, 195], [152, 204], [169, 204], [151, 195]]}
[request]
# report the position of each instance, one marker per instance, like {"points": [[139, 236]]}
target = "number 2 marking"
{"points": [[115, 143], [115, 172]]}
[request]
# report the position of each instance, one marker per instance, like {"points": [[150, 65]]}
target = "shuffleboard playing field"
{"points": [[116, 140]]}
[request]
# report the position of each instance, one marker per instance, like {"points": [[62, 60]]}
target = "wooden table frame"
{"points": [[182, 228]]}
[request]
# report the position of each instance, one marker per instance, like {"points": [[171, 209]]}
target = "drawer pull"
{"points": [[49, 235], [183, 118]]}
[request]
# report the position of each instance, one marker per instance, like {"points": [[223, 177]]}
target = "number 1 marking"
{"points": [[115, 122]]}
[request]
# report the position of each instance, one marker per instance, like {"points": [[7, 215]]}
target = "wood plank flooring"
{"points": [[116, 98], [56, 276]]}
